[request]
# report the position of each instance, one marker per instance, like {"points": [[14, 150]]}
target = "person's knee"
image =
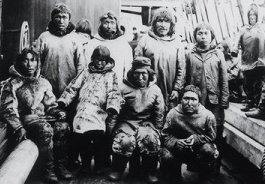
{"points": [[123, 144], [148, 141], [208, 152], [41, 133]]}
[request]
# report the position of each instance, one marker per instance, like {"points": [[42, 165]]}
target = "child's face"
{"points": [[203, 37], [99, 63]]}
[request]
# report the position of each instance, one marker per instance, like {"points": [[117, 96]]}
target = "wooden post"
{"points": [[19, 163]]}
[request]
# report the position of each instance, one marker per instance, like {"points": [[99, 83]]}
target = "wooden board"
{"points": [[253, 128], [243, 144]]}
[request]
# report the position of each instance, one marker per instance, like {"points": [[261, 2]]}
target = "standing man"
{"points": [[109, 35], [61, 54], [252, 43], [162, 46], [188, 135]]}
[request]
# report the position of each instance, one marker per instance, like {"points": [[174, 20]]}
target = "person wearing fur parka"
{"points": [[98, 101], [109, 35], [29, 107], [162, 45], [60, 49]]}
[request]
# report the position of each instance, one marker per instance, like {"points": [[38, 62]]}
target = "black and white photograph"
{"points": [[132, 91]]}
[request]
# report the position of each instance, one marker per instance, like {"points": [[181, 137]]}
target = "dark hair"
{"points": [[83, 26], [101, 52], [165, 13], [61, 8], [21, 57], [201, 26], [191, 88]]}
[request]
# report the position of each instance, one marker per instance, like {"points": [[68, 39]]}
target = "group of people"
{"points": [[75, 94]]}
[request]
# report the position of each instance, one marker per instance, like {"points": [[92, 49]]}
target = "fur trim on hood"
{"points": [[108, 67], [13, 72], [166, 38], [54, 30]]}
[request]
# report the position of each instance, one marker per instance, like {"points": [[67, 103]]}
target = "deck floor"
{"points": [[235, 169]]}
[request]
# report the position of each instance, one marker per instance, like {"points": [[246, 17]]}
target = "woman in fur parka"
{"points": [[29, 106]]}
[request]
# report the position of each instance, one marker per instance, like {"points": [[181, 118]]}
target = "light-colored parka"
{"points": [[96, 92]]}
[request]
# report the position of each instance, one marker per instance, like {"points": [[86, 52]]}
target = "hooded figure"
{"points": [[98, 99], [109, 35], [138, 124], [29, 106], [61, 53], [162, 46], [235, 76], [251, 41]]}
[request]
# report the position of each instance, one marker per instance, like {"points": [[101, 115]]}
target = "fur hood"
{"points": [[53, 29]]}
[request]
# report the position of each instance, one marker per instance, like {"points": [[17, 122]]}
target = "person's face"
{"points": [[99, 63], [29, 65], [141, 77], [203, 37], [109, 26], [252, 18], [61, 20], [162, 26], [190, 102]]}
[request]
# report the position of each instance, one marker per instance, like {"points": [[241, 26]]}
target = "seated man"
{"points": [[137, 129], [188, 135], [29, 107]]}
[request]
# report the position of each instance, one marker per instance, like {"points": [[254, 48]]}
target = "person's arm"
{"points": [[79, 58], [72, 90], [209, 135], [128, 58], [223, 75], [51, 106], [139, 49], [9, 106], [113, 102], [159, 110], [180, 73], [170, 141]]}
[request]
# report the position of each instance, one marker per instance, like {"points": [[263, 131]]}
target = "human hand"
{"points": [[189, 141], [61, 115], [174, 95], [180, 144], [21, 135]]}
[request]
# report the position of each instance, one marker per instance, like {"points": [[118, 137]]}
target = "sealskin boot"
{"points": [[150, 166], [49, 175], [118, 165]]}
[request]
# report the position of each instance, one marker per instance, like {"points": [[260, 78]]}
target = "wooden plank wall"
{"points": [[223, 15]]}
